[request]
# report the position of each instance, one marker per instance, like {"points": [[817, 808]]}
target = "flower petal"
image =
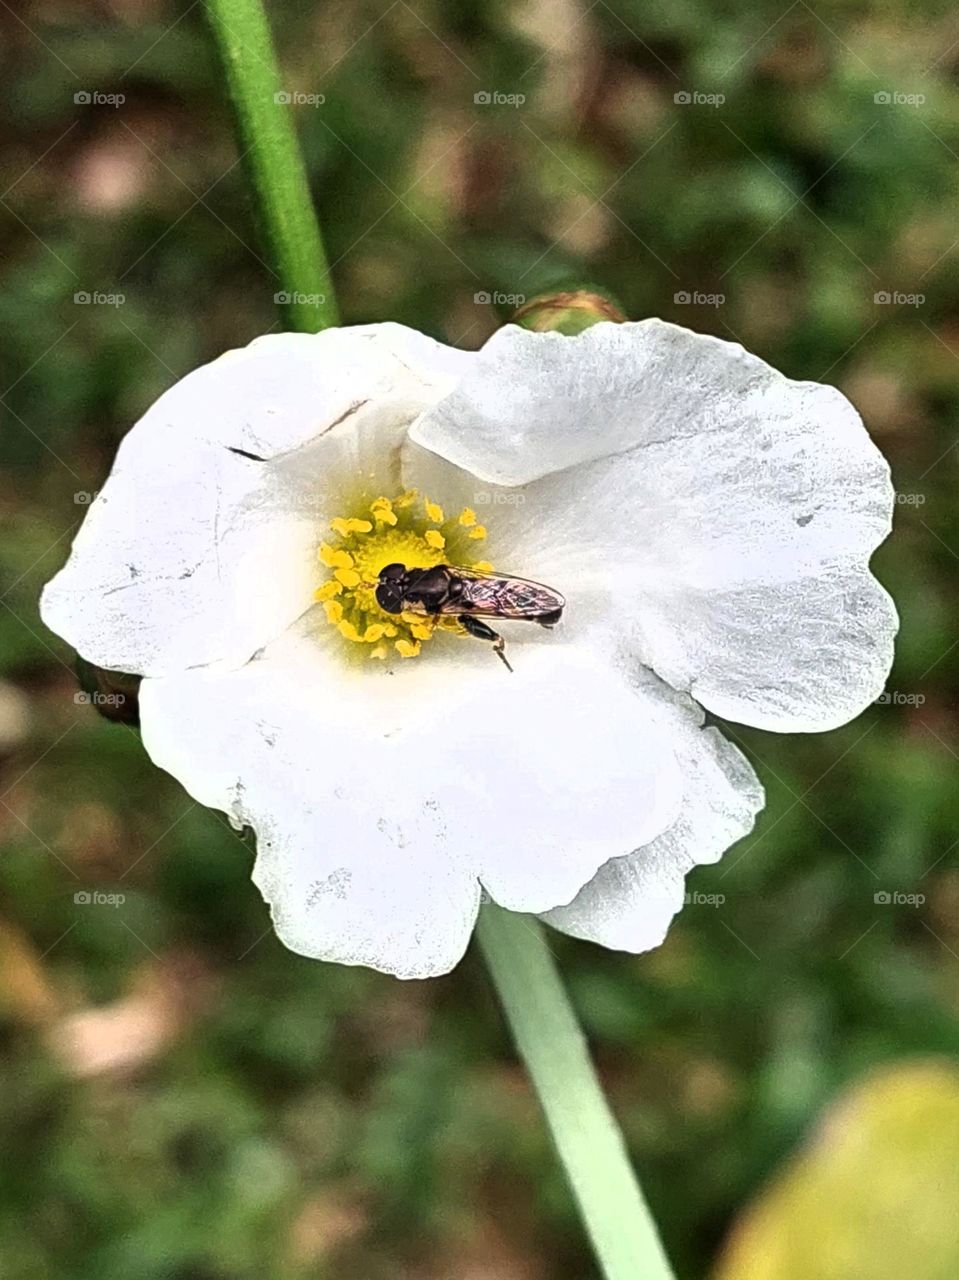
{"points": [[201, 545], [535, 403], [793, 657], [728, 537], [630, 901], [383, 797]]}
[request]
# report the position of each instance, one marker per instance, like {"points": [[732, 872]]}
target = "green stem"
{"points": [[547, 1033], [587, 1137], [274, 163]]}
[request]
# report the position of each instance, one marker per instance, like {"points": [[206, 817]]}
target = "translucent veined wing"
{"points": [[500, 595]]}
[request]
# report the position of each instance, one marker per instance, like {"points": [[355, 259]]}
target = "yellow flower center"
{"points": [[406, 530]]}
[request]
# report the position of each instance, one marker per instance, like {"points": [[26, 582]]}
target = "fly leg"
{"points": [[474, 627]]}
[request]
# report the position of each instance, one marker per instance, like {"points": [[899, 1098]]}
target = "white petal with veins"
{"points": [[630, 902], [383, 801], [195, 552], [727, 537]]}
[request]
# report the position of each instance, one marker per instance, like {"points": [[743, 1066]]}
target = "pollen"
{"points": [[335, 557], [382, 511], [345, 527], [380, 530]]}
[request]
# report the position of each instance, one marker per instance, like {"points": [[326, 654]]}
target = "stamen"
{"points": [[382, 511], [405, 530], [344, 527], [334, 557]]}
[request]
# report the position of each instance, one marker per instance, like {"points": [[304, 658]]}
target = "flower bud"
{"points": [[567, 312]]}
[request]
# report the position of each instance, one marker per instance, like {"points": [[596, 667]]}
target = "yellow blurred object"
{"points": [[26, 993], [874, 1196]]}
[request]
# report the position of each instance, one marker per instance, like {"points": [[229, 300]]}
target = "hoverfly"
{"points": [[468, 596]]}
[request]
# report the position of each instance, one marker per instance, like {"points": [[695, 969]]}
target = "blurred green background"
{"points": [[181, 1098]]}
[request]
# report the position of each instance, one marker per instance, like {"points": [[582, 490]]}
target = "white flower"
{"points": [[708, 521]]}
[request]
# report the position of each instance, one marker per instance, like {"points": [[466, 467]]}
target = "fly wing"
{"points": [[495, 595]]}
